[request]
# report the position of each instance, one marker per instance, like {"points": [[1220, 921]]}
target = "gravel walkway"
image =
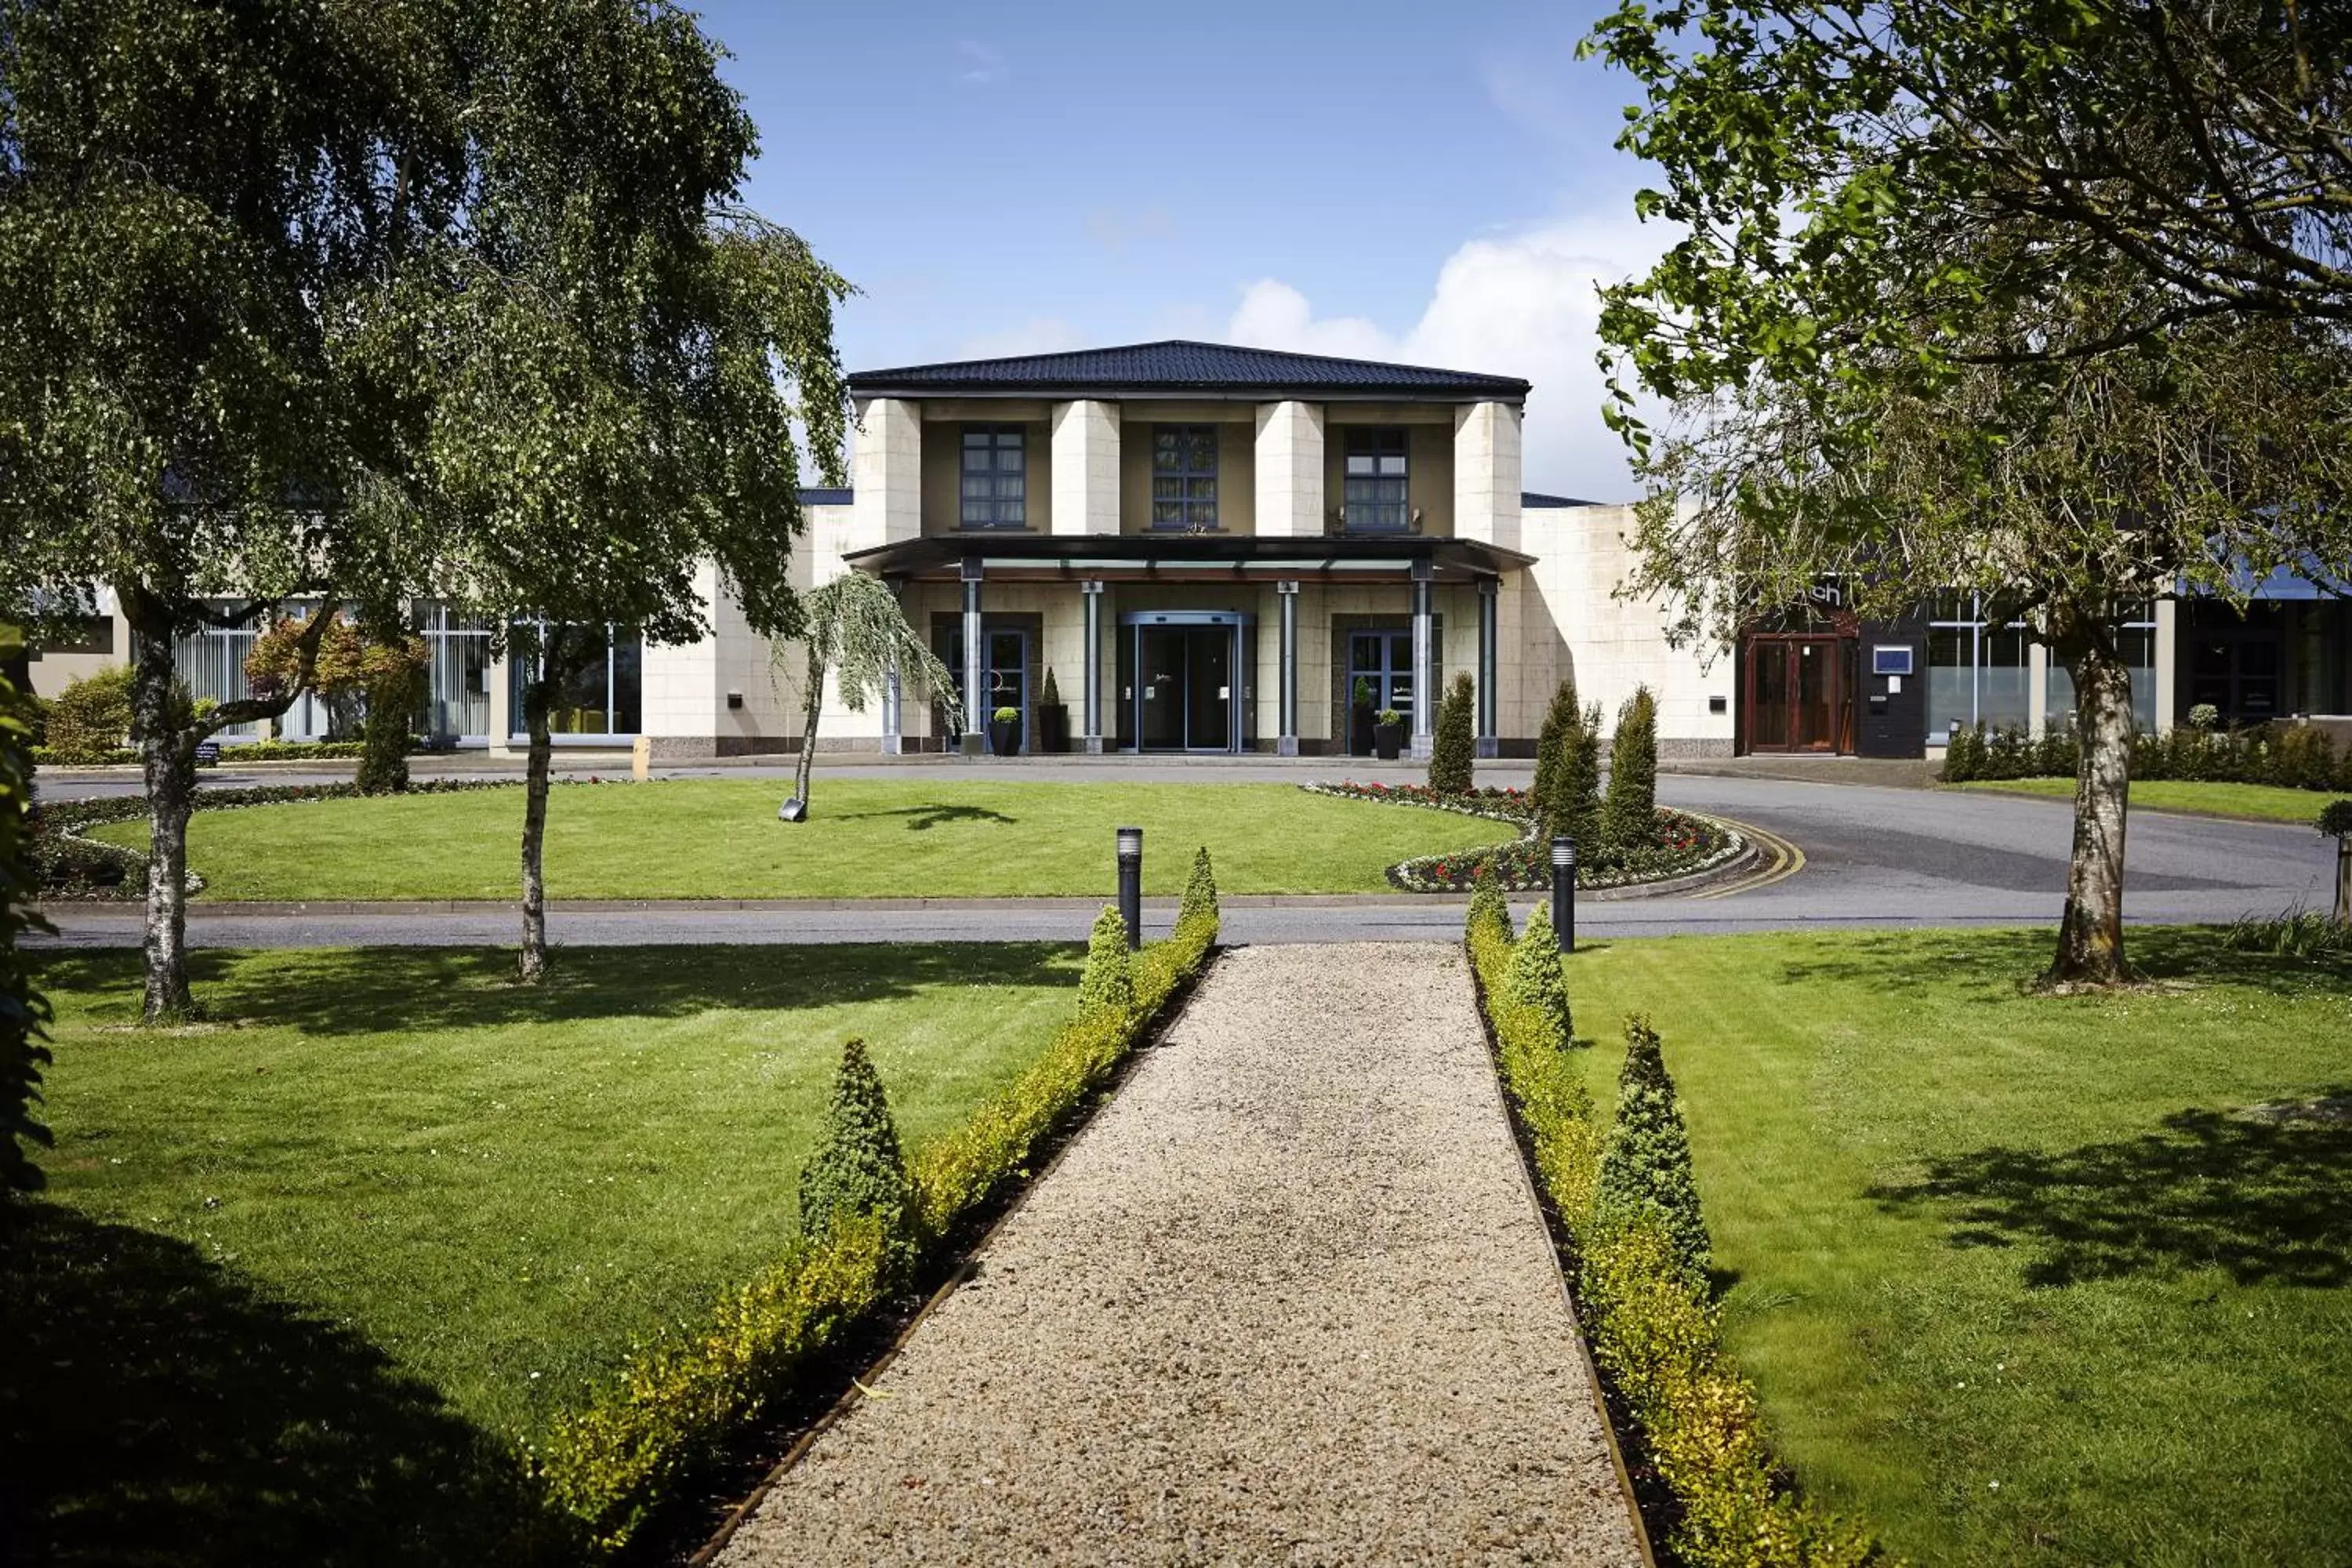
{"points": [[1284, 1300]]}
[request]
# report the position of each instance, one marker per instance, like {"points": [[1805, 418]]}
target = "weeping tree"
{"points": [[614, 356], [1877, 366], [853, 630], [198, 204]]}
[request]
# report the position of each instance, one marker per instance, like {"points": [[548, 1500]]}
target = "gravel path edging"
{"points": [[1172, 1014], [1285, 1300]]}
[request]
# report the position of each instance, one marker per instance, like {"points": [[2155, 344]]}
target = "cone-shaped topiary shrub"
{"points": [[1646, 1162], [1490, 912], [857, 1169], [1452, 754], [1200, 888], [1559, 719], [1575, 810], [1630, 814], [1107, 985], [1536, 979]]}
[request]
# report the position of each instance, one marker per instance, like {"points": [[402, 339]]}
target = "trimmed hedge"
{"points": [[1453, 754], [1632, 804], [90, 721], [681, 1395], [1651, 1325], [2288, 756]]}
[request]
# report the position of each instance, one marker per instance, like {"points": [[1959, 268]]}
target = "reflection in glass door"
{"points": [[1006, 672]]}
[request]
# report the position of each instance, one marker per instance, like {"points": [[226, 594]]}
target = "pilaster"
{"points": [[1085, 467], [887, 506], [1486, 450], [1289, 487]]}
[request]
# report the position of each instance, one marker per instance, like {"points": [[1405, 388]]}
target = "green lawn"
{"points": [[2014, 1283], [719, 838], [382, 1180], [2255, 803]]}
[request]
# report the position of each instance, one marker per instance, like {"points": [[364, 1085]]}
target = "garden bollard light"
{"points": [[1563, 893], [1130, 884]]}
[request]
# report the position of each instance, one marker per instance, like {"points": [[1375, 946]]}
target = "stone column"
{"points": [[2167, 663], [975, 676], [1423, 677], [1085, 467], [1286, 743], [1486, 473], [1090, 595], [1489, 591], [2037, 690], [502, 718], [1289, 490]]}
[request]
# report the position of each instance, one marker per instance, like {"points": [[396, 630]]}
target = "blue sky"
{"points": [[1433, 182]]}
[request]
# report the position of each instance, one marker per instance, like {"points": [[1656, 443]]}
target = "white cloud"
{"points": [[1037, 335], [980, 64], [1518, 305]]}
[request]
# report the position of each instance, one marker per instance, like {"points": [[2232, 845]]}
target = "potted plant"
{"points": [[1052, 718], [1360, 719], [1387, 734], [1005, 732]]}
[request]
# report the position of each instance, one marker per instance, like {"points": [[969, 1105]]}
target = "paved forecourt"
{"points": [[1286, 1298]]}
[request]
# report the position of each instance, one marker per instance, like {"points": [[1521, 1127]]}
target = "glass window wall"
{"points": [[602, 700]]}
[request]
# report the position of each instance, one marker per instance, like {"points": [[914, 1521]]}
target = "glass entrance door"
{"points": [[1184, 676], [1384, 660], [1006, 672]]}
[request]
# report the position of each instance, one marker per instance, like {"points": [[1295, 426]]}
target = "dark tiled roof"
{"points": [[1538, 501], [1177, 366], [823, 496]]}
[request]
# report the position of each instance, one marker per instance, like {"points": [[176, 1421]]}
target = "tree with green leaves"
{"points": [[853, 630], [1877, 371], [1558, 720], [1629, 812], [1452, 754], [23, 1012], [612, 356], [200, 206]]}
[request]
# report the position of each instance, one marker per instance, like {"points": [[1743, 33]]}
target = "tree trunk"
{"points": [[537, 695], [2091, 933], [392, 701], [806, 763], [168, 756]]}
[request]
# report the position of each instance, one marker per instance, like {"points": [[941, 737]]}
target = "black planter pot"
{"points": [[1388, 739], [1054, 729], [1004, 737], [1360, 732]]}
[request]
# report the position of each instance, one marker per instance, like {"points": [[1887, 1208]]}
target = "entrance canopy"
{"points": [[1188, 557]]}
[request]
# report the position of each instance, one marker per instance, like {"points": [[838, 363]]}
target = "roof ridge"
{"points": [[1181, 361]]}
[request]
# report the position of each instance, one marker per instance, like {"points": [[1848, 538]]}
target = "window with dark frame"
{"points": [[995, 478], [1185, 476], [1374, 495]]}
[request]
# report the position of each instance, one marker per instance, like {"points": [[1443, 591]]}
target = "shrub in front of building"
{"points": [[857, 1169], [1200, 888], [1574, 811], [1537, 980], [1452, 754], [2287, 756], [90, 721], [1646, 1162], [1108, 984], [1629, 814], [1559, 719]]}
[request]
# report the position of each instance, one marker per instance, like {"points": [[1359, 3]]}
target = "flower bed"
{"points": [[1681, 845]]}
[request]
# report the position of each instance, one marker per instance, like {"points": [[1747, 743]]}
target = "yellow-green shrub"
{"points": [[680, 1396], [1651, 1327]]}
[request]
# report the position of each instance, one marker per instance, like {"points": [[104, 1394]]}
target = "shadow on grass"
{"points": [[2003, 962], [2268, 1201], [156, 1409], [923, 818], [339, 991]]}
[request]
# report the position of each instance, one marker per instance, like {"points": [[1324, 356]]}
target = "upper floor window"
{"points": [[995, 478], [1185, 476], [1375, 493]]}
